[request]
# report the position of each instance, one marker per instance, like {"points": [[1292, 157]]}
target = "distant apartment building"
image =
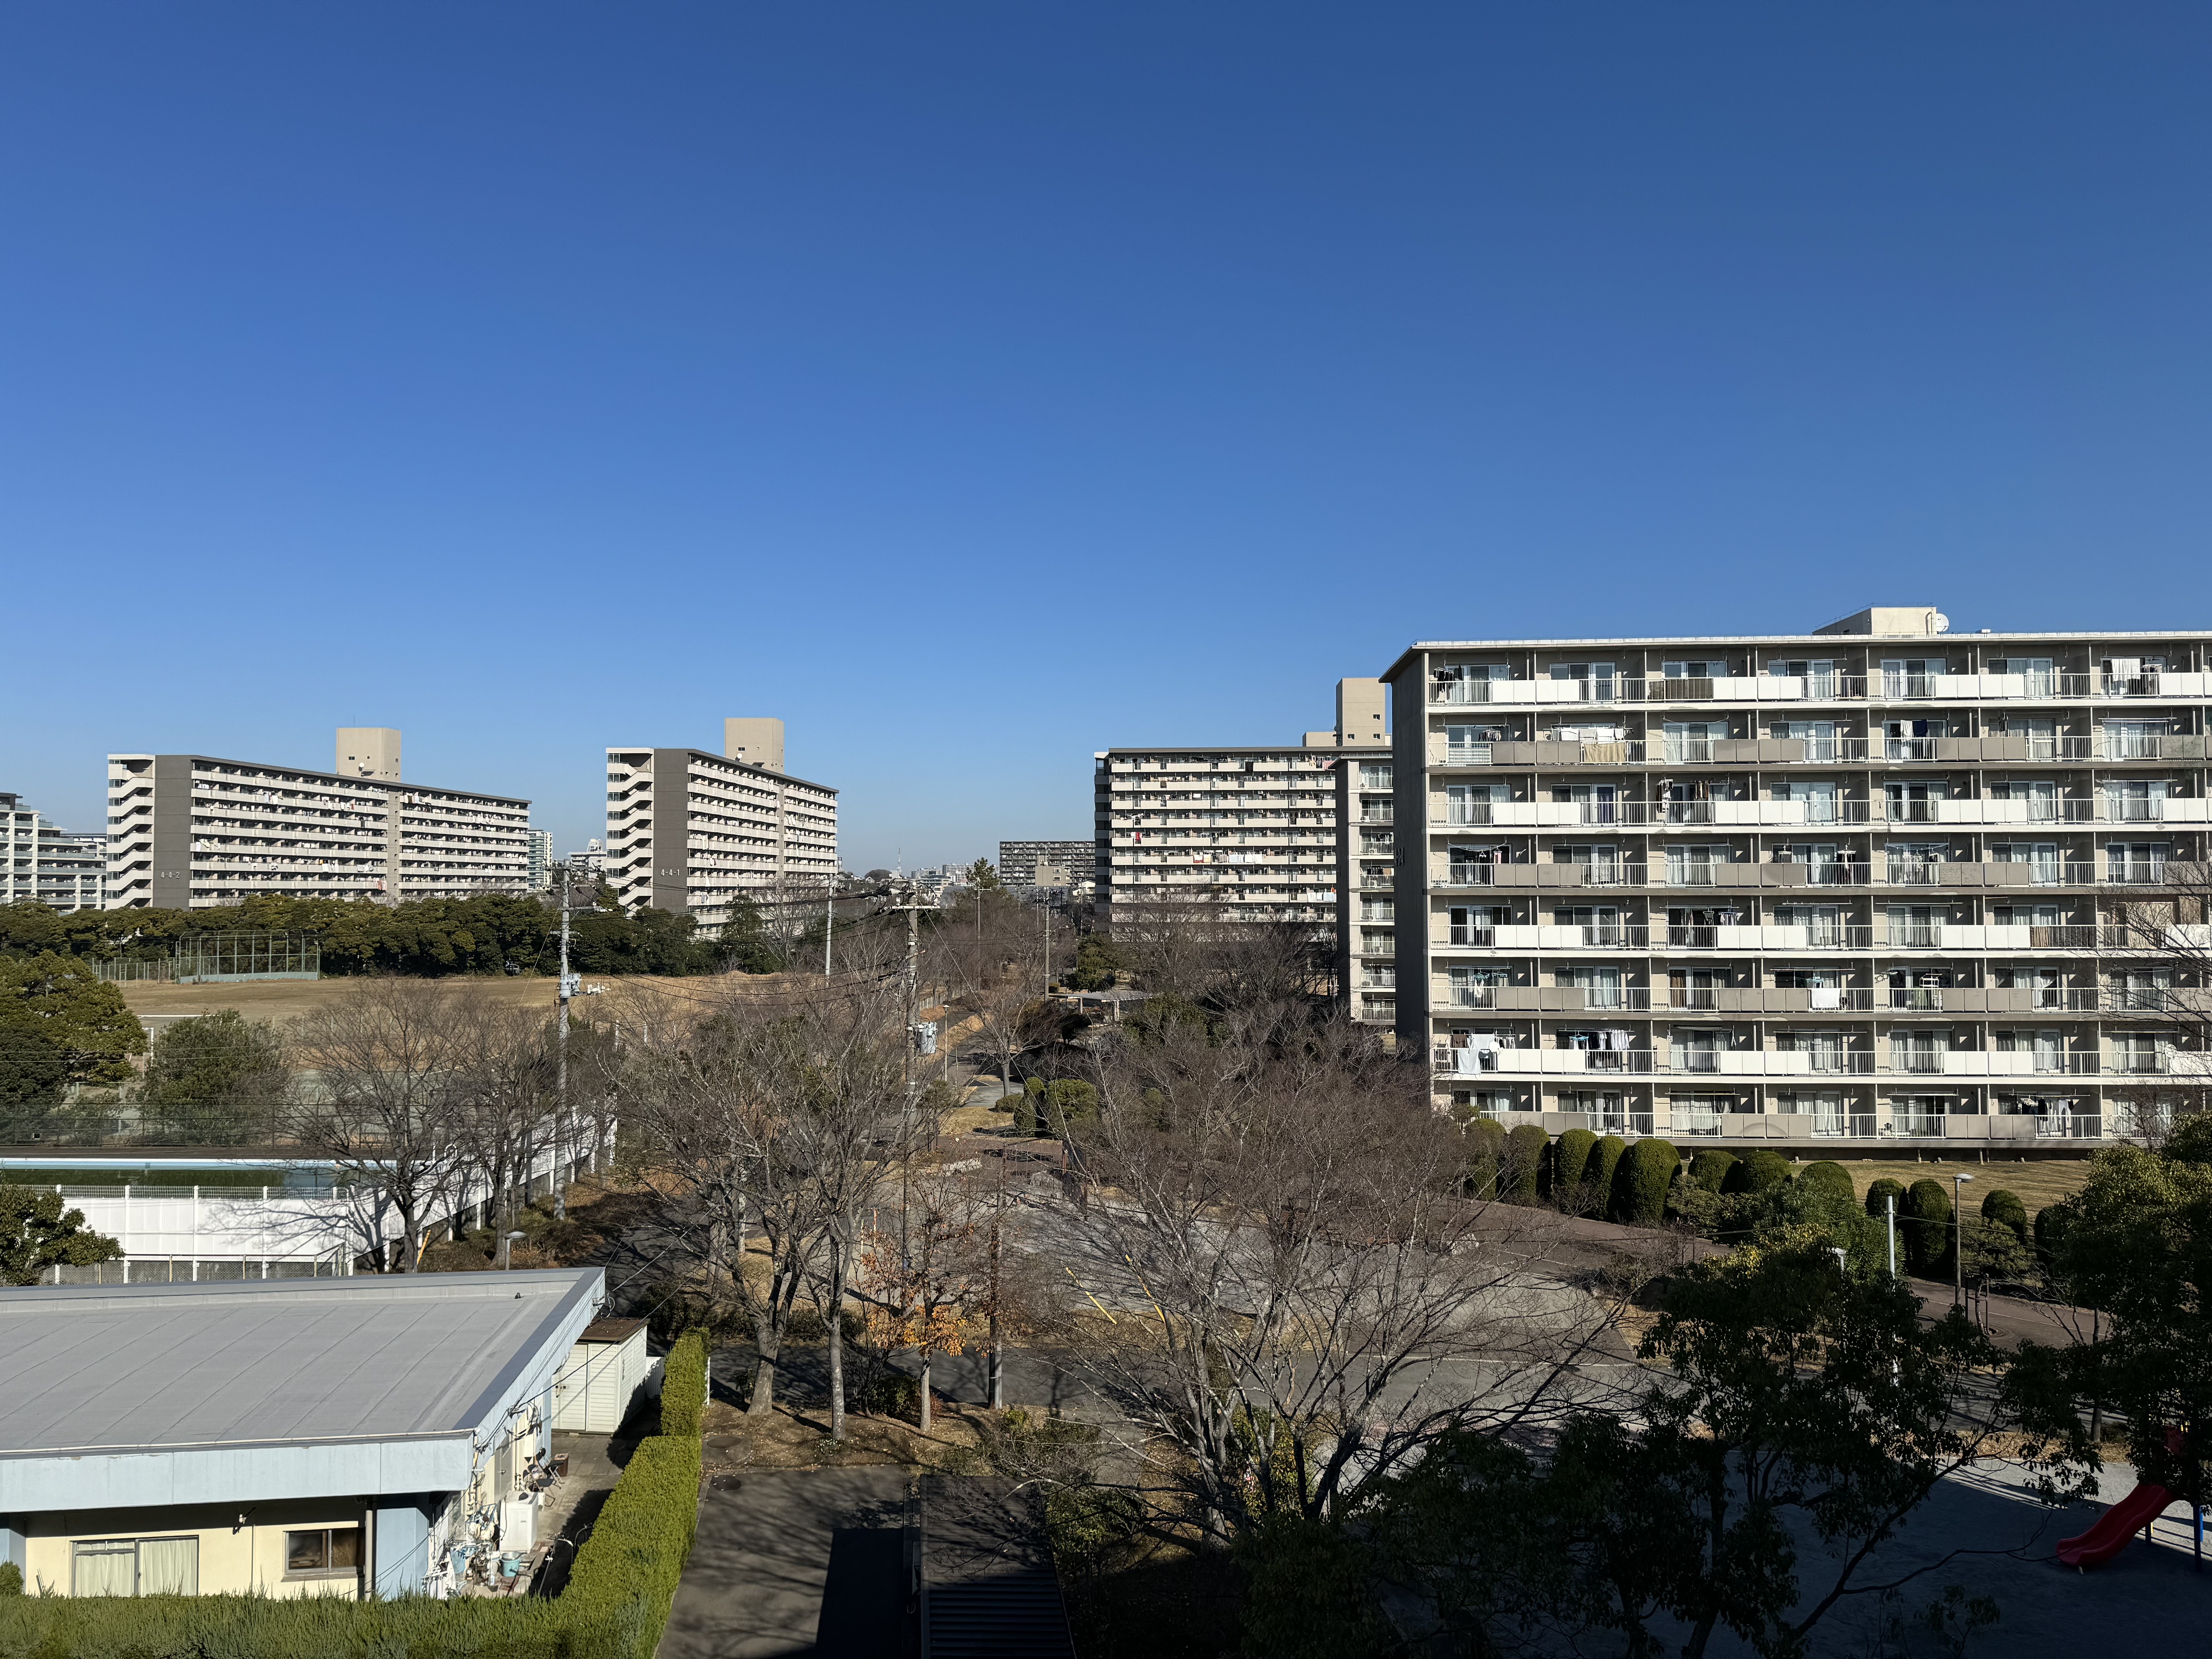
{"points": [[42, 863], [1860, 884], [692, 832], [1254, 831], [1018, 862], [195, 832], [540, 845]]}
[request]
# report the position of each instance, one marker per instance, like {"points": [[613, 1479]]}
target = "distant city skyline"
{"points": [[979, 390]]}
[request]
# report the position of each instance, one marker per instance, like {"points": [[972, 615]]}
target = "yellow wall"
{"points": [[233, 1558]]}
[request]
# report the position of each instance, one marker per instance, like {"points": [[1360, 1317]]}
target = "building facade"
{"points": [[691, 832], [1018, 862], [1252, 830], [195, 832], [540, 845], [1858, 884], [42, 863]]}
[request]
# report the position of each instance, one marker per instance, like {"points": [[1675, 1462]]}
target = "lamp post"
{"points": [[1958, 1240], [1891, 1203], [506, 1250]]}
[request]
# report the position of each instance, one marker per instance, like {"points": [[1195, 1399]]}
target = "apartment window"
{"points": [[2135, 801], [1374, 775], [2134, 739], [1911, 677], [2136, 861], [322, 1552], [1818, 737], [1475, 988], [1471, 803], [2036, 672], [1824, 1050], [1380, 976], [135, 1566], [1917, 1051], [1910, 740], [1700, 1114], [1696, 669], [1689, 742], [1469, 745]]}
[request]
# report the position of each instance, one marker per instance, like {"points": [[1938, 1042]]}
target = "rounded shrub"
{"points": [[1604, 1159], [1025, 1114], [1880, 1192], [2049, 1231], [1829, 1179], [2004, 1208], [1485, 1151], [1069, 1103], [1924, 1218], [1521, 1176], [1760, 1171], [1640, 1181], [1570, 1155], [1710, 1167]]}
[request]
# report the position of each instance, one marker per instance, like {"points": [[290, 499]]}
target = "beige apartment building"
{"points": [[1254, 830], [690, 831], [41, 863], [1853, 885], [196, 832]]}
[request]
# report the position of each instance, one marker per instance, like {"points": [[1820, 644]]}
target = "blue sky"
{"points": [[979, 385]]}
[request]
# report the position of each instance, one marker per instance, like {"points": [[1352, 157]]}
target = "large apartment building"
{"points": [[196, 832], [1858, 884], [1018, 862], [691, 832], [42, 863], [1251, 831]]}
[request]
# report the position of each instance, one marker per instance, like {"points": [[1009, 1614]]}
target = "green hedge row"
{"points": [[683, 1385], [626, 1574]]}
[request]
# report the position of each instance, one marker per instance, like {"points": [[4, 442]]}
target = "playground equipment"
{"points": [[2116, 1528]]}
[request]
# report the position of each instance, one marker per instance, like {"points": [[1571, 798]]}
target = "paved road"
{"points": [[791, 1562]]}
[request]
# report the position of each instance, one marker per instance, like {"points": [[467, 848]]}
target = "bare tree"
{"points": [[1285, 1288], [507, 1110], [2158, 963], [1193, 946], [768, 1114], [385, 1083]]}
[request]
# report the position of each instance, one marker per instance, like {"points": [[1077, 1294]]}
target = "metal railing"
{"points": [[1765, 686]]}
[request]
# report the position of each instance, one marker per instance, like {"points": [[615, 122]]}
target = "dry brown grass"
{"points": [[2037, 1182], [789, 1439]]}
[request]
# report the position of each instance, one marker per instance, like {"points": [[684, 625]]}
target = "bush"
{"points": [[1604, 1159], [2004, 1208], [1878, 1196], [1641, 1180], [1522, 1172], [896, 1395], [627, 1570], [1025, 1114], [1710, 1167], [1485, 1151], [1924, 1218], [11, 1579], [1831, 1178], [683, 1385], [2050, 1234], [1570, 1160], [1759, 1170], [1070, 1103]]}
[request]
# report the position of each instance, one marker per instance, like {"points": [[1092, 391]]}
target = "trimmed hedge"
{"points": [[1924, 1218], [309, 1627], [1710, 1167], [2004, 1206], [1759, 1170], [1878, 1196], [1640, 1181], [626, 1573], [1487, 1135], [683, 1385], [1829, 1178], [1604, 1159], [1522, 1174], [1571, 1156]]}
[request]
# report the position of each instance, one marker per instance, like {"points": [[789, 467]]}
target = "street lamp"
{"points": [[506, 1249], [1958, 1240]]}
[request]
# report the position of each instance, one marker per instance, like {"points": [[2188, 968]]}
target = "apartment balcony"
{"points": [[1883, 686]]}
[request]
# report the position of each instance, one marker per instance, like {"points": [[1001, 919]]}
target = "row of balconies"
{"points": [[1794, 1000], [1776, 936], [1842, 873], [1892, 1122], [1880, 687], [2009, 749], [1444, 813], [1678, 1062]]}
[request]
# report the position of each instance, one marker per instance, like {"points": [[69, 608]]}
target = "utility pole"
{"points": [[1958, 1241], [1892, 1203], [829, 923], [998, 1374], [561, 1105]]}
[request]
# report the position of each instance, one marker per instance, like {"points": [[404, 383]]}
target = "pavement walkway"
{"points": [[794, 1562]]}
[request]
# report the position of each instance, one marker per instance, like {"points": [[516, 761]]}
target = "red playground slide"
{"points": [[2115, 1527]]}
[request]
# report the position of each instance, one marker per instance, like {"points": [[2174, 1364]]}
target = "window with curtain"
{"points": [[135, 1566], [108, 1566], [169, 1566]]}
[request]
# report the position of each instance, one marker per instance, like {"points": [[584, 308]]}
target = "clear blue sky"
{"points": [[978, 385]]}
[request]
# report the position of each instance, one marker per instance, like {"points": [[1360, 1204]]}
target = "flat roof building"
{"points": [[1857, 886], [691, 832], [299, 1436], [1253, 831], [194, 832], [42, 863]]}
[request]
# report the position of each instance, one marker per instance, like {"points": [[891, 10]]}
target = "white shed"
{"points": [[601, 1377]]}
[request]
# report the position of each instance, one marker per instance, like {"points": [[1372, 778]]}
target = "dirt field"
{"points": [[278, 1000], [2037, 1182]]}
